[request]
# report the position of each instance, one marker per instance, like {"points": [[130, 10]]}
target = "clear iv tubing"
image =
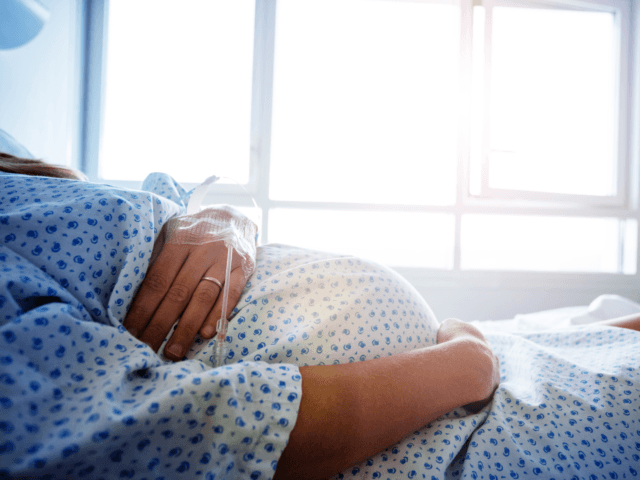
{"points": [[220, 343], [196, 196]]}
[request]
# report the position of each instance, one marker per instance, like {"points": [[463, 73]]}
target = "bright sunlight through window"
{"points": [[369, 112], [178, 94], [418, 133]]}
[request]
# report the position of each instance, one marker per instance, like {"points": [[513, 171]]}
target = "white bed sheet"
{"points": [[603, 307]]}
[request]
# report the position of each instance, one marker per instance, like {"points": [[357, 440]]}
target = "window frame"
{"points": [[621, 10], [96, 22]]}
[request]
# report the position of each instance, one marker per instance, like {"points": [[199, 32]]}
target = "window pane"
{"points": [[392, 238], [553, 112], [365, 101], [477, 102], [630, 255], [554, 244], [178, 89]]}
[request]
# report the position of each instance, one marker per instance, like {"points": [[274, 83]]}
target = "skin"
{"points": [[173, 288], [630, 322], [341, 420], [336, 398], [339, 423]]}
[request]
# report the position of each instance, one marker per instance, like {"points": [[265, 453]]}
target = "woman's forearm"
{"points": [[350, 412], [631, 322]]}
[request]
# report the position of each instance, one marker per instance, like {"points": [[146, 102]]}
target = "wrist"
{"points": [[482, 368], [464, 370]]}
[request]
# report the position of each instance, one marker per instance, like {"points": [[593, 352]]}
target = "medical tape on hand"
{"points": [[213, 224], [197, 195], [220, 222]]}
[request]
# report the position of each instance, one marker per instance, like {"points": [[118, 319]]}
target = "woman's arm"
{"points": [[631, 322], [352, 411]]}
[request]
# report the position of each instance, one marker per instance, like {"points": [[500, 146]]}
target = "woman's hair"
{"points": [[25, 166]]}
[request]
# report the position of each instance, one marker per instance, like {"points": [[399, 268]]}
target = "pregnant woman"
{"points": [[334, 364]]}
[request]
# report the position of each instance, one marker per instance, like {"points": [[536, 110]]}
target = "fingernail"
{"points": [[175, 350], [207, 331]]}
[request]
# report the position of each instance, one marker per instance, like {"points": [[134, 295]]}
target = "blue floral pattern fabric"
{"points": [[569, 401], [317, 308], [79, 396], [568, 407]]}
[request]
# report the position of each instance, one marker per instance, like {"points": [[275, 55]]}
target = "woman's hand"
{"points": [[186, 256], [482, 358], [174, 288]]}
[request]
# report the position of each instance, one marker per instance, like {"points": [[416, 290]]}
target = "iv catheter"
{"points": [[221, 335]]}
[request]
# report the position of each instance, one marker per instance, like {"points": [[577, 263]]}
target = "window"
{"points": [[359, 113], [178, 89], [427, 134], [546, 91]]}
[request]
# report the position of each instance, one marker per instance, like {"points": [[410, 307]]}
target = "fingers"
{"points": [[180, 295], [204, 311], [453, 328], [238, 280], [174, 288], [193, 317], [154, 287], [194, 311], [448, 330]]}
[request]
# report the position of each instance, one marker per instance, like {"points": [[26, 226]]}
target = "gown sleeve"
{"points": [[79, 396]]}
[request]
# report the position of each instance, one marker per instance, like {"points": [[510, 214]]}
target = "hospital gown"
{"points": [[82, 398], [568, 405], [79, 396]]}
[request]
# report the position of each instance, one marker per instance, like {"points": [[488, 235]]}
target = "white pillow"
{"points": [[10, 145]]}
